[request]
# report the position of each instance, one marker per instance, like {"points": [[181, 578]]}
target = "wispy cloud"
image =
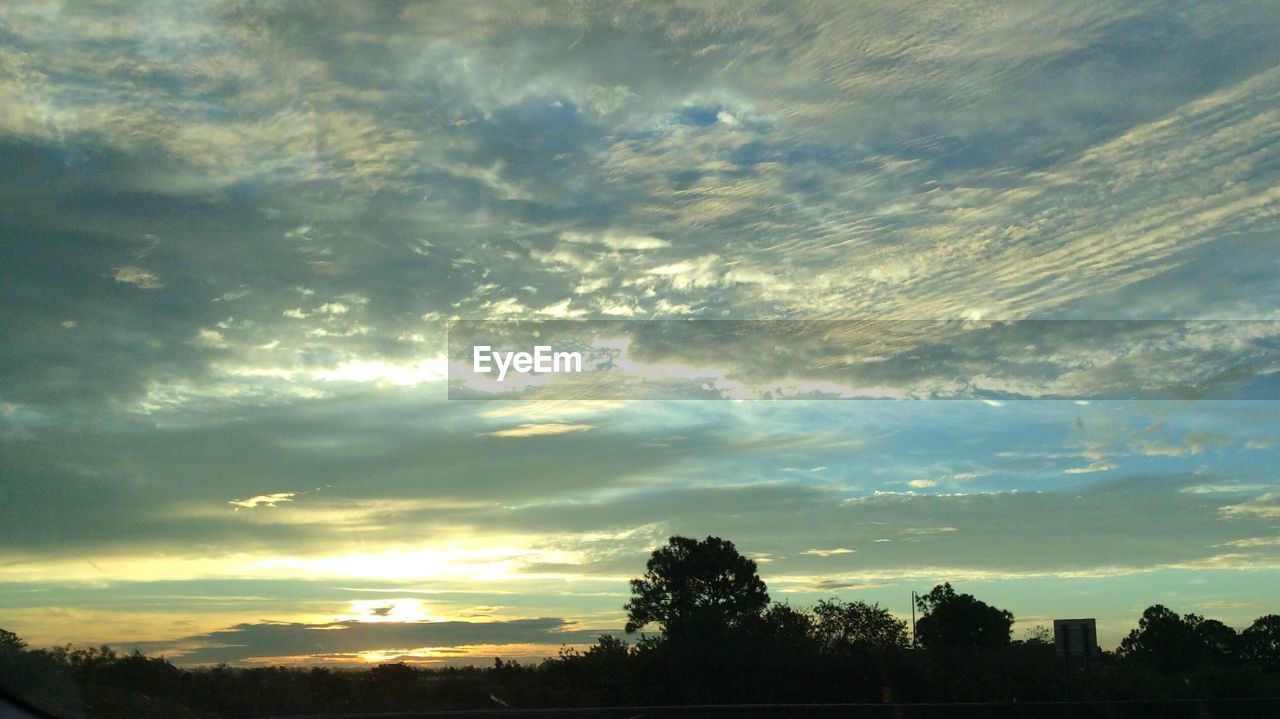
{"points": [[140, 278], [1092, 467], [828, 552], [263, 500], [233, 240], [1266, 505], [541, 429]]}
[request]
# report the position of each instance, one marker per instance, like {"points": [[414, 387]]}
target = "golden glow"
{"points": [[58, 625], [474, 561], [387, 373], [477, 654], [265, 500], [470, 559], [395, 609]]}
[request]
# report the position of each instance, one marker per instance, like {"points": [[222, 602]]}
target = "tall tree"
{"points": [[1171, 643], [1260, 643], [696, 587], [952, 620]]}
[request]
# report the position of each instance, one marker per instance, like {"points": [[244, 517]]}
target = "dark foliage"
{"points": [[1260, 642], [1167, 642], [959, 621], [723, 644], [696, 589]]}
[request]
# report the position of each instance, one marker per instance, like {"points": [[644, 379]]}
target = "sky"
{"points": [[233, 235]]}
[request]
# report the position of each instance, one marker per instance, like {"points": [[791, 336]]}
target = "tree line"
{"points": [[703, 630]]}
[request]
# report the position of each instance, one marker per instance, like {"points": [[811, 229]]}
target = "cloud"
{"points": [[140, 278], [561, 310], [1224, 488], [1098, 466], [296, 641], [211, 338], [541, 430], [926, 531], [904, 359], [616, 241], [395, 374], [828, 552], [1266, 505], [263, 500], [1160, 449], [1198, 442], [1252, 542], [259, 221]]}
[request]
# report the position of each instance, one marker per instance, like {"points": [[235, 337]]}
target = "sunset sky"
{"points": [[232, 234]]}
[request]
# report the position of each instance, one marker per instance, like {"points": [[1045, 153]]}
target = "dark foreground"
{"points": [[1173, 709]]}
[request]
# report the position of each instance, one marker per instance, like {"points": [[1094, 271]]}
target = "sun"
{"points": [[396, 609]]}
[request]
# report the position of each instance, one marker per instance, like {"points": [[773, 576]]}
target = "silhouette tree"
{"points": [[11, 656], [1039, 635], [1260, 643], [787, 626], [693, 587], [952, 620], [1170, 643], [10, 643], [842, 626], [1219, 643]]}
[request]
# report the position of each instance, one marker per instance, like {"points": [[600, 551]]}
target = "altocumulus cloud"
{"points": [[233, 234]]}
